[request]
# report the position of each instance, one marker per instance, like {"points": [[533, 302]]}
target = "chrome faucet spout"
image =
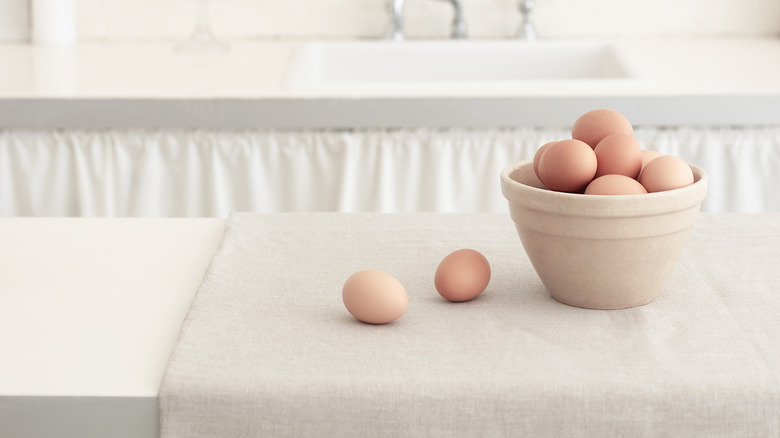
{"points": [[396, 30], [527, 29], [458, 23]]}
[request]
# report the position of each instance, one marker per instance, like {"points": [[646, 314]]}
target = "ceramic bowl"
{"points": [[597, 251]]}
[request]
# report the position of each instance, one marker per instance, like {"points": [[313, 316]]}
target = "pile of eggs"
{"points": [[604, 158]]}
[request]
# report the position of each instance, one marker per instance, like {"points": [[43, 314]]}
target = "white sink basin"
{"points": [[460, 63]]}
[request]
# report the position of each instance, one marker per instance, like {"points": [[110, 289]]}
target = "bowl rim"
{"points": [[577, 204]]}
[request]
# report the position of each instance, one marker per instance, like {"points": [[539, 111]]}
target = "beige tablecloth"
{"points": [[268, 349]]}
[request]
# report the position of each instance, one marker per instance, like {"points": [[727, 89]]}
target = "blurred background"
{"points": [[123, 20], [107, 108]]}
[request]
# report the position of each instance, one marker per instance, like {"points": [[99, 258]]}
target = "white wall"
{"points": [[171, 19], [14, 24]]}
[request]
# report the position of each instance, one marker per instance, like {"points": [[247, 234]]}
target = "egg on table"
{"points": [[374, 297], [462, 275]]}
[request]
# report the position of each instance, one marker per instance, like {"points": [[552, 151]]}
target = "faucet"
{"points": [[396, 31], [527, 29]]}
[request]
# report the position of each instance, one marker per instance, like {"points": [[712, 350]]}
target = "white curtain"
{"points": [[160, 173]]}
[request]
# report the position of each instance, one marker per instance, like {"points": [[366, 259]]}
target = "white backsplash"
{"points": [[14, 20], [174, 19]]}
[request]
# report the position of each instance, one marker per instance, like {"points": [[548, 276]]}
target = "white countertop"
{"points": [[91, 309], [695, 81]]}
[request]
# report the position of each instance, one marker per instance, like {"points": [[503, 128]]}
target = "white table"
{"points": [[90, 310], [268, 349]]}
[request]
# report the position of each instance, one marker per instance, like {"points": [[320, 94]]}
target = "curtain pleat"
{"points": [[184, 173]]}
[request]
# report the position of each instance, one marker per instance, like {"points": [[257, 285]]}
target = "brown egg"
{"points": [[567, 166], [648, 155], [618, 154], [538, 156], [374, 297], [594, 125], [462, 275], [666, 172], [614, 185]]}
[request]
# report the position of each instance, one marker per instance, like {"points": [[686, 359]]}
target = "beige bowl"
{"points": [[597, 251]]}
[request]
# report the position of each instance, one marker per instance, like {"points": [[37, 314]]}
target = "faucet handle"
{"points": [[527, 29]]}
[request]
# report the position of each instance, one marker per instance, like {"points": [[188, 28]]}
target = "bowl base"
{"points": [[595, 306]]}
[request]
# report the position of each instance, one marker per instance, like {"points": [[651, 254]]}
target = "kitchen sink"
{"points": [[380, 64]]}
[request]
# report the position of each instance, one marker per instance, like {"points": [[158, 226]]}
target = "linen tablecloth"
{"points": [[268, 348]]}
